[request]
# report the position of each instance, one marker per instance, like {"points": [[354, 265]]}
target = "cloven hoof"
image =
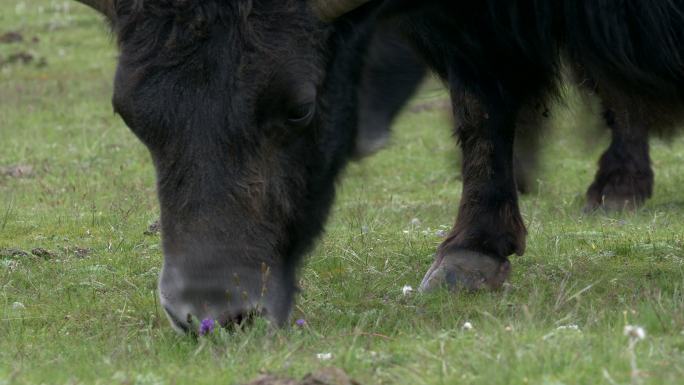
{"points": [[613, 204], [465, 269]]}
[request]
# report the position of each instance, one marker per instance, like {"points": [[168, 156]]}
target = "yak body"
{"points": [[250, 111]]}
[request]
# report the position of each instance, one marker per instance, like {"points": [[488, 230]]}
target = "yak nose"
{"points": [[190, 324], [222, 298]]}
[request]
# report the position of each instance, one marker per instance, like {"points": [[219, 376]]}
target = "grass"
{"points": [[90, 314]]}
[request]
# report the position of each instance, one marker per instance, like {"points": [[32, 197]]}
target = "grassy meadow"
{"points": [[78, 272]]}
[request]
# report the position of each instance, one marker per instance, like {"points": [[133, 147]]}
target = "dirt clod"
{"points": [[154, 228], [329, 376], [11, 37], [82, 252], [42, 253], [325, 376], [19, 57], [273, 380], [13, 253], [17, 171]]}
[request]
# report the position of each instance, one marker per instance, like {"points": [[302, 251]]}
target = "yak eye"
{"points": [[301, 114]]}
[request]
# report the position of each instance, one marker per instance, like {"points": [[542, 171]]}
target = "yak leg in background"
{"points": [[624, 179], [391, 75], [489, 226]]}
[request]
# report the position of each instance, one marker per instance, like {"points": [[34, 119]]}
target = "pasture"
{"points": [[79, 266]]}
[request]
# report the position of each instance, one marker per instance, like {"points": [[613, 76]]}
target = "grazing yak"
{"points": [[249, 110]]}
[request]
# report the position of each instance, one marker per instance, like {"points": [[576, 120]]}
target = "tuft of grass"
{"points": [[89, 312]]}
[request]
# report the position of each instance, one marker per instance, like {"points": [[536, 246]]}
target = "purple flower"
{"points": [[206, 327], [301, 322]]}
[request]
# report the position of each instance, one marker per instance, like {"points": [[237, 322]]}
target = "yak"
{"points": [[249, 109]]}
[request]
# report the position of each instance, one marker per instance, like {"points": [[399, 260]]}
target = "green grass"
{"points": [[95, 319]]}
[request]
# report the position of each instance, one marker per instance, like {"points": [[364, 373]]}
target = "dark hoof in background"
{"points": [[465, 269], [611, 199], [612, 204], [620, 192]]}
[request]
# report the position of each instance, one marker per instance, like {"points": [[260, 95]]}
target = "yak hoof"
{"points": [[464, 269], [612, 205]]}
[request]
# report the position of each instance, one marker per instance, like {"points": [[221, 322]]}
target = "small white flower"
{"points": [[635, 332], [407, 290], [569, 327], [441, 233], [467, 326], [18, 306], [324, 356]]}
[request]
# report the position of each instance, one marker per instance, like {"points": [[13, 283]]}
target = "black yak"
{"points": [[249, 110]]}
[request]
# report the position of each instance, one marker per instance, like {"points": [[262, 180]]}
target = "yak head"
{"points": [[247, 108]]}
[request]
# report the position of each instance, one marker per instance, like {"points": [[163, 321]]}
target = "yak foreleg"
{"points": [[489, 226]]}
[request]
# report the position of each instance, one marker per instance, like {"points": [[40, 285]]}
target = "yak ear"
{"points": [[105, 7]]}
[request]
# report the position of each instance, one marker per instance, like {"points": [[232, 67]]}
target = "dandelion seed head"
{"points": [[635, 332], [406, 290], [467, 326]]}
